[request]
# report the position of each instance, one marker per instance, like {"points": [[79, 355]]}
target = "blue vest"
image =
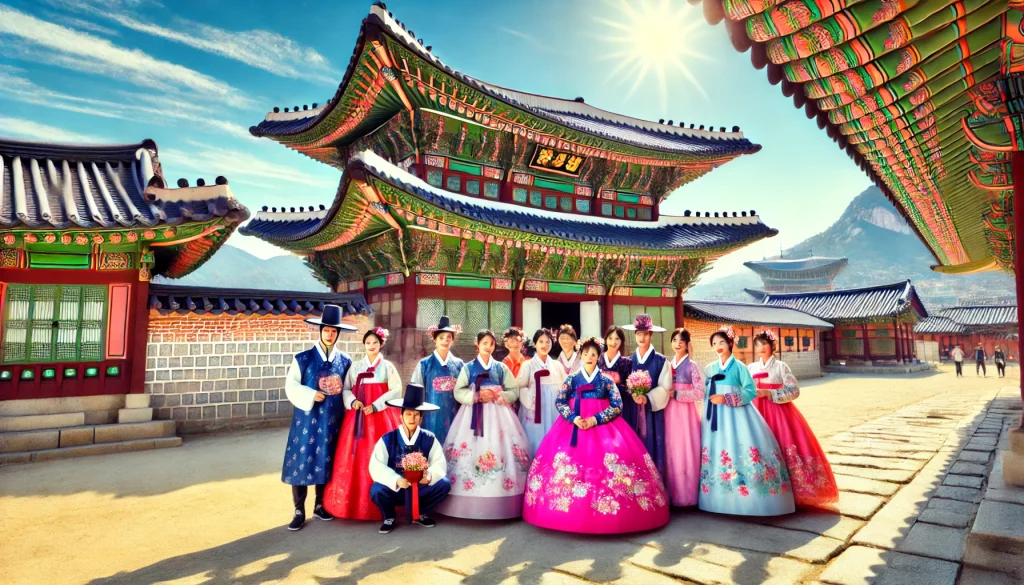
{"points": [[397, 448]]}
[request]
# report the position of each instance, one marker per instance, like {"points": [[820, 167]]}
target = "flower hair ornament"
{"points": [[382, 333], [592, 340], [514, 332], [770, 335], [728, 332]]}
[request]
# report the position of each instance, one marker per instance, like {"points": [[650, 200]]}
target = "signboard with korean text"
{"points": [[557, 161]]}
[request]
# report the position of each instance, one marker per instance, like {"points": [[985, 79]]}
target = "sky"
{"points": [[194, 76]]}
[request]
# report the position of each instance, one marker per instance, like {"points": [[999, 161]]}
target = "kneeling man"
{"points": [[390, 487]]}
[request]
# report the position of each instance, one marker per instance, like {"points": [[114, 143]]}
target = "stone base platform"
{"points": [[866, 369]]}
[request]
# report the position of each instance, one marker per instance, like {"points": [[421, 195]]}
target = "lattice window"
{"points": [[851, 347], [428, 312], [491, 191], [566, 203], [501, 316], [518, 195], [435, 178], [536, 198], [49, 323], [551, 202], [472, 187], [477, 316], [583, 205], [454, 183], [644, 213], [471, 315], [606, 209]]}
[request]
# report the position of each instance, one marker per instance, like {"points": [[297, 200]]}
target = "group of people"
{"points": [[998, 356], [590, 441]]}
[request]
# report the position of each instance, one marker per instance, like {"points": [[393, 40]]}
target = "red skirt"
{"points": [[813, 482], [348, 493]]}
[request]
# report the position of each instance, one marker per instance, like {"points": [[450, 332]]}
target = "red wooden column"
{"points": [[517, 306], [867, 341], [138, 337], [896, 338], [1017, 165], [409, 302], [679, 309]]}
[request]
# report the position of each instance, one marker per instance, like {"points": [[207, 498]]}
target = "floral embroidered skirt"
{"points": [[809, 471], [742, 470], [348, 493], [682, 451], [606, 484], [487, 473]]}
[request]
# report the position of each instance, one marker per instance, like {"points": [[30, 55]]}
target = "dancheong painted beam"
{"points": [[923, 95]]}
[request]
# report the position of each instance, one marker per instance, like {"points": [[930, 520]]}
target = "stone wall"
{"points": [[804, 364], [210, 372]]}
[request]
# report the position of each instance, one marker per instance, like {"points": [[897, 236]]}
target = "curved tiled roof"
{"points": [[751, 314], [852, 304], [982, 315], [64, 186], [939, 324], [181, 300], [574, 114], [669, 233], [790, 264]]}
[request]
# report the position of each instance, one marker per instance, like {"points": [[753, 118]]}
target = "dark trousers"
{"points": [[1001, 369], [959, 369], [387, 498], [299, 496], [979, 366]]}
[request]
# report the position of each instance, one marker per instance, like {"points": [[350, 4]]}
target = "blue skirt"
{"points": [[311, 442]]}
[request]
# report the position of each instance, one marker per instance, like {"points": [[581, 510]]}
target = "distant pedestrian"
{"points": [[979, 361], [1000, 358], [958, 359]]}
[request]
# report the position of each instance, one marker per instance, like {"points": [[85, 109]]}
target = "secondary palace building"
{"points": [[796, 275], [496, 206]]}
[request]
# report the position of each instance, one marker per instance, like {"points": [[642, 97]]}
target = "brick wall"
{"points": [[228, 371], [805, 364]]}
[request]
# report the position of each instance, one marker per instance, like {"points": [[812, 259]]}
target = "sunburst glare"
{"points": [[651, 38]]}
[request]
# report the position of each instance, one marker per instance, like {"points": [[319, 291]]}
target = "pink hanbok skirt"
{"points": [[682, 451], [809, 471], [606, 484]]}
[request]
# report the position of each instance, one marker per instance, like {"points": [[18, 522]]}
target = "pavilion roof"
{"points": [[939, 324], [854, 304], [304, 230], [913, 92], [982, 315], [751, 314], [182, 300], [355, 109], [797, 265], [100, 188]]}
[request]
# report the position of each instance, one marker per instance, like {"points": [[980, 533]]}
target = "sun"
{"points": [[651, 38]]}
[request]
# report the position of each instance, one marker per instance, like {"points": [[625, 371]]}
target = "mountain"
{"points": [[233, 267], [882, 249]]}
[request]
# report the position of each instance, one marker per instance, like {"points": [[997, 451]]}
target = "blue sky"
{"points": [[195, 75]]}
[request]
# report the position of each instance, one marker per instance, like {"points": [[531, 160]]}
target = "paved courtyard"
{"points": [[910, 454]]}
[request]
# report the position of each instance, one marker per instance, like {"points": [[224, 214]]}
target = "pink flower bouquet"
{"points": [[639, 383], [413, 465]]}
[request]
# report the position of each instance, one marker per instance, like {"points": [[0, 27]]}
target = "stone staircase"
{"points": [[59, 428]]}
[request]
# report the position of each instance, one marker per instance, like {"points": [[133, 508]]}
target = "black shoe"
{"points": [[387, 526], [322, 514], [424, 520], [297, 521]]}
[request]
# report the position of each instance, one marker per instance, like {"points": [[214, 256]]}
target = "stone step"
{"points": [[996, 540], [17, 441], [62, 405], [84, 450], [134, 415], [36, 422]]}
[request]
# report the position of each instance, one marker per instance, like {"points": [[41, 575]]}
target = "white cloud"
{"points": [[82, 24], [239, 166], [53, 44], [36, 131]]}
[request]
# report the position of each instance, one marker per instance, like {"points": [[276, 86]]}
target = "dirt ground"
{"points": [[132, 517]]}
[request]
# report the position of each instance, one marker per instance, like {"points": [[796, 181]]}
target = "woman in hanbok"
{"points": [[742, 471], [537, 410], [487, 450], [591, 473], [809, 470], [370, 383], [513, 340], [612, 363], [437, 374], [681, 376], [568, 358], [645, 413]]}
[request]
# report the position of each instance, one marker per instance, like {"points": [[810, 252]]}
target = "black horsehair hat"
{"points": [[444, 324], [331, 318], [413, 400]]}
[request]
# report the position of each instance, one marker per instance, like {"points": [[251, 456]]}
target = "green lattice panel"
{"points": [[15, 333], [477, 316], [428, 312], [40, 344], [501, 316], [94, 310], [457, 311], [65, 347]]}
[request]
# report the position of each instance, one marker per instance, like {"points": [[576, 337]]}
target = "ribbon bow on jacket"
{"points": [[711, 412], [368, 374], [536, 404], [477, 421], [576, 410]]}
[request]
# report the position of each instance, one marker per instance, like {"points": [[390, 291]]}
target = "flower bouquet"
{"points": [[328, 382], [413, 465], [639, 384]]}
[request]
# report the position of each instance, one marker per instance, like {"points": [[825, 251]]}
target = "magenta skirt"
{"points": [[809, 470], [606, 484]]}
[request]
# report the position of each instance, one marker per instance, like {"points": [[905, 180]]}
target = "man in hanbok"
{"points": [[390, 484], [645, 413], [314, 386]]}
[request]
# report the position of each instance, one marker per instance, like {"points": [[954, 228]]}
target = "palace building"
{"points": [[795, 275], [495, 206]]}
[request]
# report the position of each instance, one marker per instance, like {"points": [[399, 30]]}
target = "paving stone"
{"points": [[937, 542], [984, 440], [981, 447], [974, 457], [965, 468], [860, 565], [873, 445], [738, 533], [861, 506], [951, 505], [945, 518], [708, 563], [823, 522], [891, 475], [876, 462], [962, 481], [972, 576], [866, 486], [877, 452], [996, 540], [959, 493]]}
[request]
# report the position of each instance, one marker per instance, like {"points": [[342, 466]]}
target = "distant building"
{"points": [[789, 275], [967, 326], [873, 324]]}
